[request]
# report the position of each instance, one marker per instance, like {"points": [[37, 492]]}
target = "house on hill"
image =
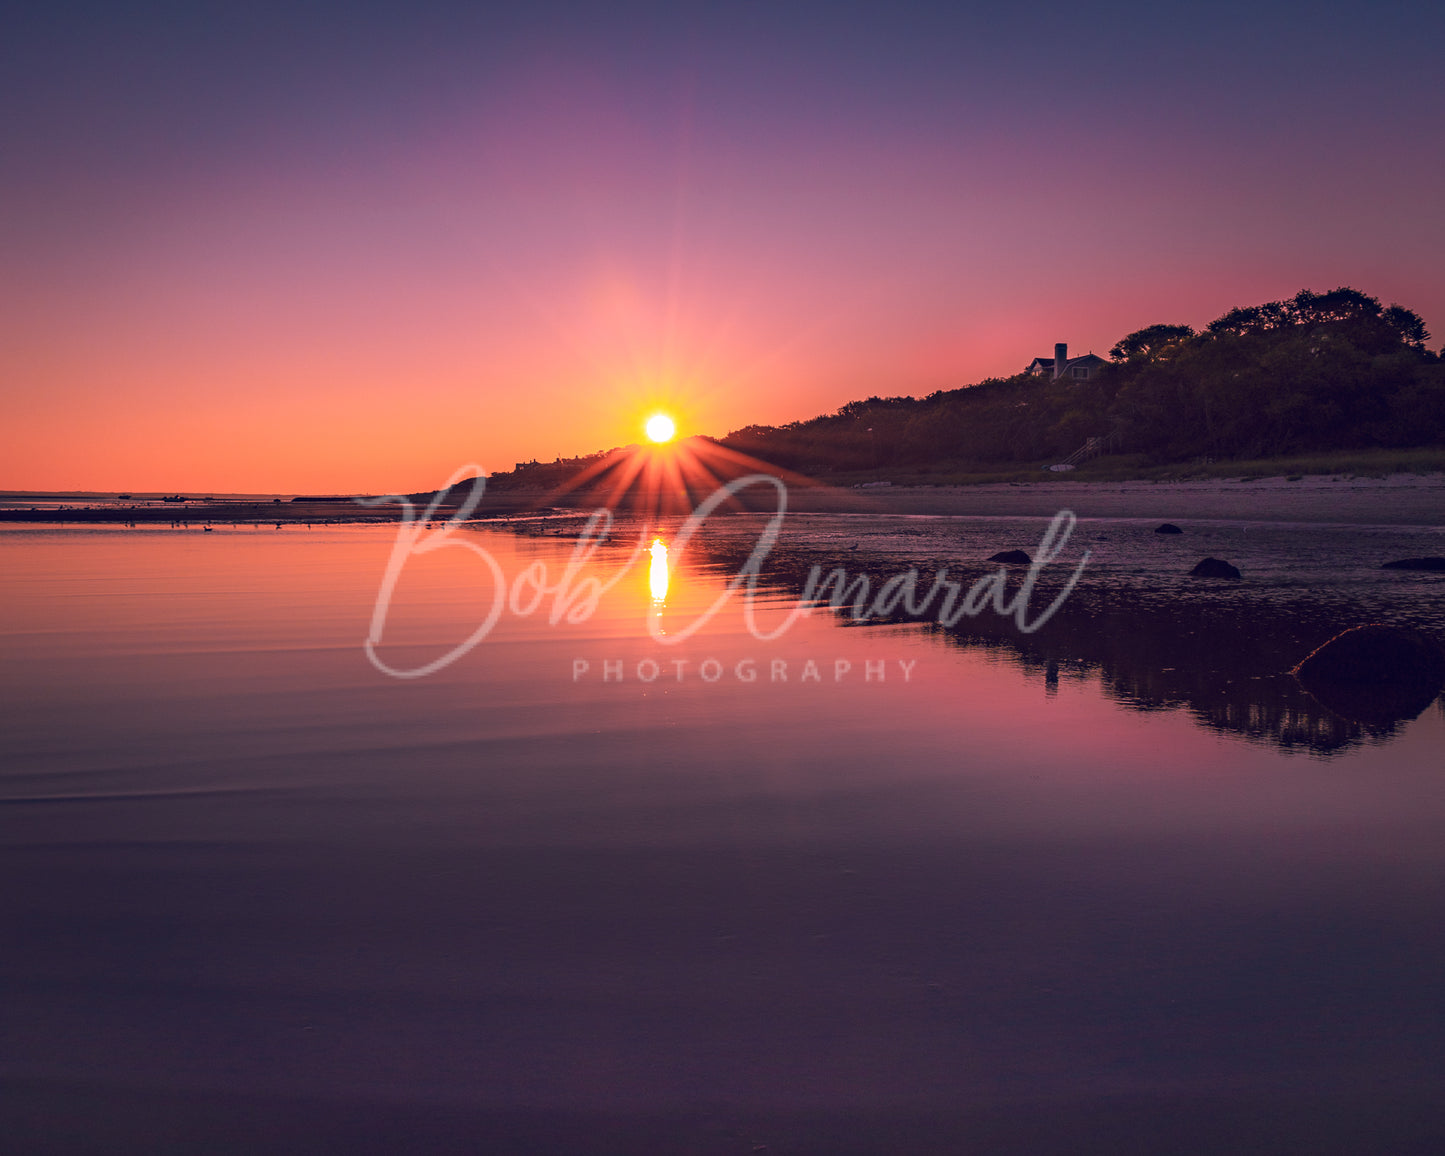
{"points": [[1062, 365]]}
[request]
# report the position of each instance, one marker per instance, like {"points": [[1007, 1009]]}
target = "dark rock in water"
{"points": [[1376, 654], [1214, 568], [1415, 564], [1168, 528], [1012, 558], [1375, 674]]}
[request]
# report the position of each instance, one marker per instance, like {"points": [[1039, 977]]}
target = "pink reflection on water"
{"points": [[157, 660]]}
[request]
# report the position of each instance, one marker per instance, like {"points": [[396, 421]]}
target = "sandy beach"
{"points": [[1397, 500]]}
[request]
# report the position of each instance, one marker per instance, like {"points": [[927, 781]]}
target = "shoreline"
{"points": [[1397, 500]]}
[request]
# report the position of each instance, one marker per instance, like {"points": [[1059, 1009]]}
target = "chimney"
{"points": [[1061, 355]]}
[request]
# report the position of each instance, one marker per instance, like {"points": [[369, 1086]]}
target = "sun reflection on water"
{"points": [[657, 574]]}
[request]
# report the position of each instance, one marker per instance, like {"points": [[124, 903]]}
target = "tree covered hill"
{"points": [[1321, 371], [1318, 372]]}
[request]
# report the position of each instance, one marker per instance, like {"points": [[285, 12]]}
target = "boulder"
{"points": [[1415, 564], [1375, 674], [1167, 528], [1375, 654], [1214, 568], [1012, 558]]}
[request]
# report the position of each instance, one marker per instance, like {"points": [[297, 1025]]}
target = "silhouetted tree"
{"points": [[1150, 341], [1247, 319], [1408, 325]]}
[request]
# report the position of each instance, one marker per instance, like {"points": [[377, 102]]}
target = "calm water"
{"points": [[258, 892]]}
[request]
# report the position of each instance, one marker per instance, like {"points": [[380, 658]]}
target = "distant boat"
{"points": [[175, 498]]}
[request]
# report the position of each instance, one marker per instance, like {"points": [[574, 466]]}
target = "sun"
{"points": [[661, 428]]}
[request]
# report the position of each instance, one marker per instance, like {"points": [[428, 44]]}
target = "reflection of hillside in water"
{"points": [[1231, 676], [1154, 637], [1222, 652]]}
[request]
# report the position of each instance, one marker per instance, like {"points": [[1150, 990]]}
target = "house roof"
{"points": [[1088, 360], [1083, 358]]}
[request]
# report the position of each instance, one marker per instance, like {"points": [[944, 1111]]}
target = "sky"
{"points": [[317, 247]]}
